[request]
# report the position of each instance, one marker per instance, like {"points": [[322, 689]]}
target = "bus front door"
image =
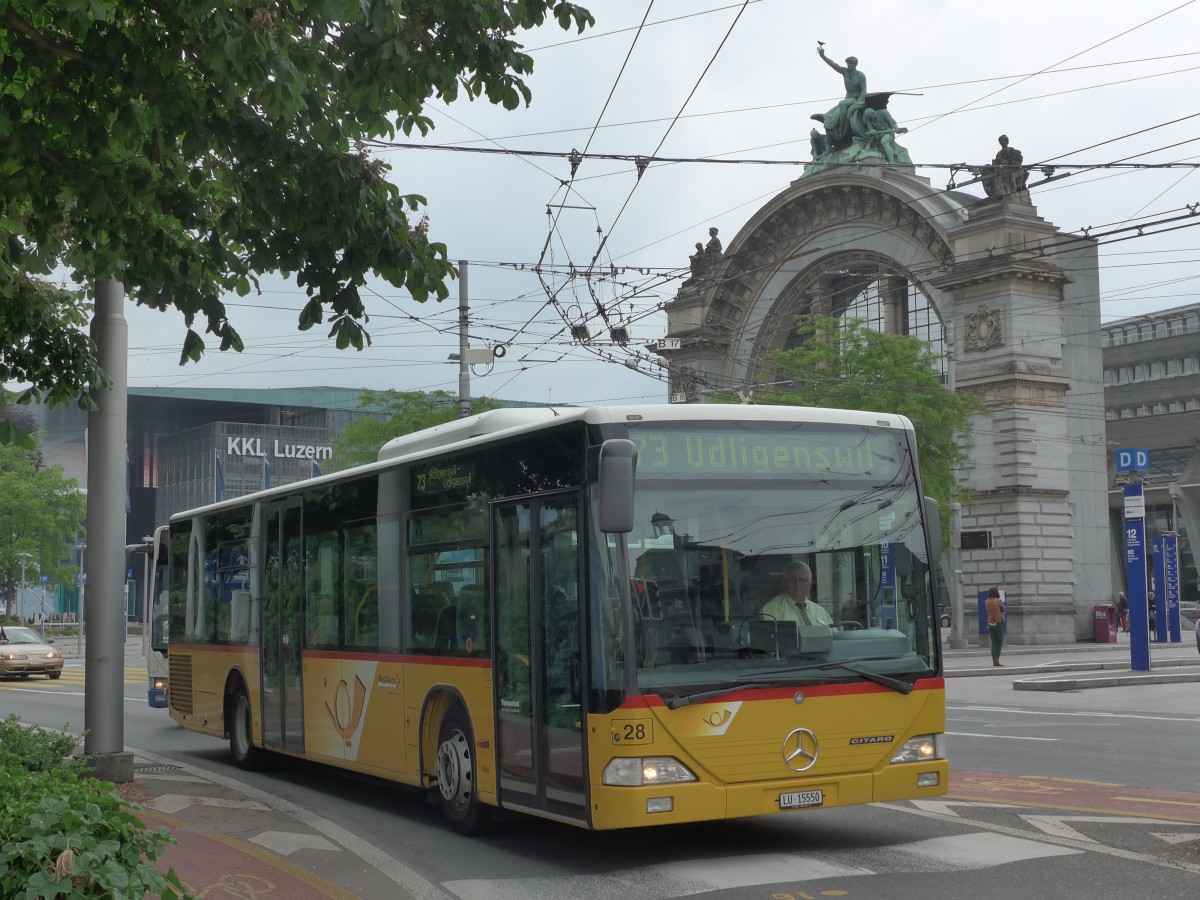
{"points": [[538, 667], [283, 629]]}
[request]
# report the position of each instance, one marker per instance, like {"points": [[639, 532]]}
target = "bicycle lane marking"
{"points": [[1046, 792]]}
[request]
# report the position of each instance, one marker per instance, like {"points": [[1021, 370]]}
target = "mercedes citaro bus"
{"points": [[560, 611]]}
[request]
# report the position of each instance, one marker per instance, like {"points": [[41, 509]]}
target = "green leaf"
{"points": [[193, 347], [204, 149]]}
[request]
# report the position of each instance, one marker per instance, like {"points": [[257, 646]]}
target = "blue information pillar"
{"points": [[1167, 583], [1135, 575]]}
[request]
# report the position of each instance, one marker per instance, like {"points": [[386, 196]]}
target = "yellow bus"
{"points": [[573, 613]]}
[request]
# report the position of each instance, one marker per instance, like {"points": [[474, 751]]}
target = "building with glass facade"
{"points": [[189, 446], [1152, 402]]}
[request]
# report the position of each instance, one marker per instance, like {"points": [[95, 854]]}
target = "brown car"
{"points": [[24, 652]]}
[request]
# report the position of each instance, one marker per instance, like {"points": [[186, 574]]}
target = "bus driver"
{"points": [[792, 604]]}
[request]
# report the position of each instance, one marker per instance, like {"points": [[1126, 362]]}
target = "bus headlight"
{"points": [[640, 770], [921, 748]]}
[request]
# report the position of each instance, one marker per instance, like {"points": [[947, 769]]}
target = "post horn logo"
{"points": [[346, 714]]}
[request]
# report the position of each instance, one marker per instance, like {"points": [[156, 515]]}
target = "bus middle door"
{"points": [[538, 656], [283, 628]]}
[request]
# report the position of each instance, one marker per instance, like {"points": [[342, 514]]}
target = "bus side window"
{"points": [[428, 608], [472, 622]]}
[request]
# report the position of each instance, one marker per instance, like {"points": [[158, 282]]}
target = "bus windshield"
{"points": [[734, 529]]}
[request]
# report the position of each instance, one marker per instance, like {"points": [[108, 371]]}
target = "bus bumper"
{"points": [[633, 807]]}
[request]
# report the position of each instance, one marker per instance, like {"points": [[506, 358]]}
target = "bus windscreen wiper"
{"points": [[886, 681], [684, 700], [895, 684]]}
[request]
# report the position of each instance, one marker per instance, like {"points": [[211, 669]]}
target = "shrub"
{"points": [[63, 834], [36, 749]]}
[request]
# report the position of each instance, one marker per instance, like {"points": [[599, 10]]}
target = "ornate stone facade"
{"points": [[1019, 321]]}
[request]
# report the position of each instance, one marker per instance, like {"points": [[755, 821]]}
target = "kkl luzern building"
{"points": [[1008, 299], [187, 446]]}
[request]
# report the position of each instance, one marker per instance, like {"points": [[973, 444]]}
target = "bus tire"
{"points": [[457, 773], [241, 733]]}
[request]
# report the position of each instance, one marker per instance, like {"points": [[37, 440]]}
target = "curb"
{"points": [[1076, 684], [1050, 668]]}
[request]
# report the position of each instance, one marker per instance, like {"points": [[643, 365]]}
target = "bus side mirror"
{"points": [[933, 518], [618, 463]]}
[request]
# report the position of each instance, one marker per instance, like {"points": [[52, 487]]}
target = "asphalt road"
{"points": [[1051, 792]]}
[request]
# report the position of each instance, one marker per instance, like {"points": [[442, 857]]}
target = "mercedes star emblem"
{"points": [[800, 750]]}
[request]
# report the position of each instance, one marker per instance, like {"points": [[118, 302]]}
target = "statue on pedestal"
{"points": [[1007, 174], [696, 261], [706, 257], [859, 128]]}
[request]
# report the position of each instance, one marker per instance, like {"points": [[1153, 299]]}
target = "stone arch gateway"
{"points": [[1011, 302]]}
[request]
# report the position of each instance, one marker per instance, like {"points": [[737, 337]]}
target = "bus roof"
{"points": [[512, 422], [499, 422]]}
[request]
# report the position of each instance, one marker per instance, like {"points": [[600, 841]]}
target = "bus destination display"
{"points": [[854, 453]]}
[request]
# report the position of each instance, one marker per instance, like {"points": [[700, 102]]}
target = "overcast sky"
{"points": [[1088, 82]]}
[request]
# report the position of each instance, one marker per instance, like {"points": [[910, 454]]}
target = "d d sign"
{"points": [[1133, 460]]}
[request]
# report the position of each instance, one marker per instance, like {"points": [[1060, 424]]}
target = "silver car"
{"points": [[24, 652]]}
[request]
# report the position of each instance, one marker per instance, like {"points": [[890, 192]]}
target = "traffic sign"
{"points": [[1133, 459]]}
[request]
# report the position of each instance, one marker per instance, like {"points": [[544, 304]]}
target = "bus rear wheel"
{"points": [[457, 773], [241, 733]]}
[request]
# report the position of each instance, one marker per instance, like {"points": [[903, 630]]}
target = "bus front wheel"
{"points": [[241, 733], [457, 773]]}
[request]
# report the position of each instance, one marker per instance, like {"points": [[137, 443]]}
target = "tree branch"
{"points": [[18, 24]]}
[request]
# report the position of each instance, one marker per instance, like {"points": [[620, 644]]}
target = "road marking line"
{"points": [[1152, 800], [1042, 837], [1010, 737], [1176, 838], [285, 843], [1057, 825], [1082, 715]]}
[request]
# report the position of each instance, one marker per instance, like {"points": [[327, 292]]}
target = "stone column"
{"points": [[1007, 295]]}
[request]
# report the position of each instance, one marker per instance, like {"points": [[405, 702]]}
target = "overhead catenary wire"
{"points": [[629, 290]]}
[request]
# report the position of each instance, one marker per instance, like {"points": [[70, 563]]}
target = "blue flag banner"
{"points": [[218, 478], [266, 473], [316, 470]]}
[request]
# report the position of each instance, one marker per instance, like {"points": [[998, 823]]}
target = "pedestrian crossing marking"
{"points": [[973, 850]]}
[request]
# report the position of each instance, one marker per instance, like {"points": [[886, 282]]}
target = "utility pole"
{"points": [[82, 548], [464, 367], [465, 356], [24, 590], [103, 700]]}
